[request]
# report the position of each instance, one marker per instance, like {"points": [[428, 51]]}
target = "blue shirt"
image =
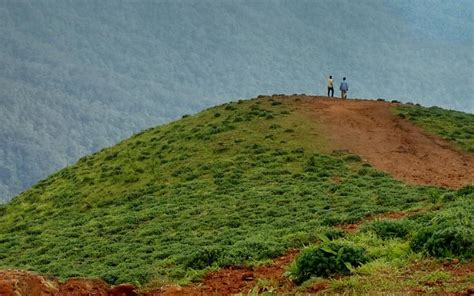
{"points": [[344, 86]]}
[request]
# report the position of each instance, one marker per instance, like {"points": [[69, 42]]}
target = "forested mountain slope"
{"points": [[77, 76]]}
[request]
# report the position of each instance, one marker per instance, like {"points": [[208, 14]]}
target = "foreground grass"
{"points": [[454, 126], [418, 275], [232, 185], [393, 265]]}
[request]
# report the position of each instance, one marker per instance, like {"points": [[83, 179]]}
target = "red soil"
{"points": [[389, 143], [22, 283], [233, 280], [226, 281], [14, 283]]}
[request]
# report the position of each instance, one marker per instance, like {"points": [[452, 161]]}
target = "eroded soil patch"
{"points": [[233, 280], [389, 143]]}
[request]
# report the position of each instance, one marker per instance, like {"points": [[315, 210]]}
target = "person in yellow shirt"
{"points": [[330, 86]]}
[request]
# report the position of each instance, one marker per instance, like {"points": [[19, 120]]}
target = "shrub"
{"points": [[111, 156], [353, 157], [203, 258], [298, 239], [328, 259], [447, 197], [421, 237], [252, 250], [467, 190], [110, 278], [335, 233], [450, 242], [390, 229]]}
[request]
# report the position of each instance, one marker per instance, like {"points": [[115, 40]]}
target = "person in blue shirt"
{"points": [[344, 88]]}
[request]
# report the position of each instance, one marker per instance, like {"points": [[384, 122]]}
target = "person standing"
{"points": [[330, 86], [344, 88]]}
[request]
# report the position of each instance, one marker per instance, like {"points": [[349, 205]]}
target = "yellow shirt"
{"points": [[330, 83]]}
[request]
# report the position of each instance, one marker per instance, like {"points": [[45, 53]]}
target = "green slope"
{"points": [[454, 126], [235, 184]]}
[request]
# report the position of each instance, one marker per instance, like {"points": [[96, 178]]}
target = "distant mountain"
{"points": [[76, 76]]}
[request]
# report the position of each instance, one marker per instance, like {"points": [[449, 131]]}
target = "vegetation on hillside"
{"points": [[233, 185], [454, 126]]}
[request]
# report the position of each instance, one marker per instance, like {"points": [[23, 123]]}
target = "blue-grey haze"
{"points": [[76, 76]]}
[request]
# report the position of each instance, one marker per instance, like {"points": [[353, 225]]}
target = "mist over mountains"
{"points": [[76, 76]]}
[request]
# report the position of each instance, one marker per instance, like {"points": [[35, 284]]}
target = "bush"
{"points": [[467, 190], [443, 243], [447, 197], [251, 250], [327, 260], [418, 242], [203, 258], [353, 157], [390, 229]]}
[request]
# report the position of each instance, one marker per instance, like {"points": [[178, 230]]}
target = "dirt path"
{"points": [[389, 143]]}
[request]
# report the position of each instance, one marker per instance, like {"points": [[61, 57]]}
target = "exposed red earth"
{"points": [[366, 128], [22, 283], [394, 145], [371, 130], [226, 281], [233, 280]]}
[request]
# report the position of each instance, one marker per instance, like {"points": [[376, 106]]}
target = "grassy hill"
{"points": [[237, 184], [454, 126]]}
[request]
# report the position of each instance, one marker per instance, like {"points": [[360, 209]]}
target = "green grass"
{"points": [[233, 185], [393, 266], [454, 126]]}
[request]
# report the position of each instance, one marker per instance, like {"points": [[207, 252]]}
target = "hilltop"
{"points": [[238, 185]]}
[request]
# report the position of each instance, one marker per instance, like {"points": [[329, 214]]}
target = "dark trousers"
{"points": [[331, 90]]}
